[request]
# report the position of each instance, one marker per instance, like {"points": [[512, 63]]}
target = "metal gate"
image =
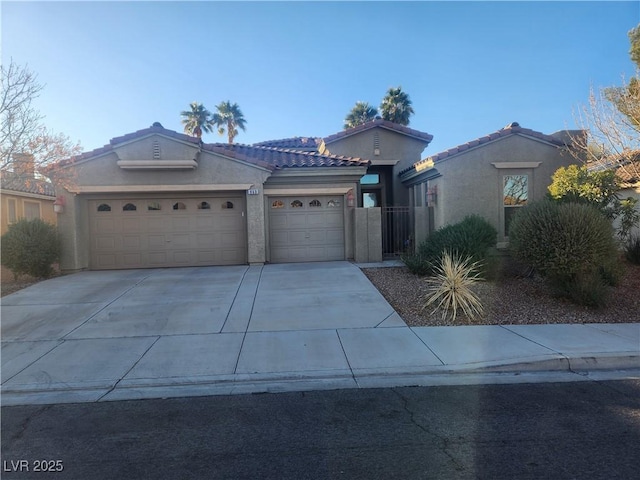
{"points": [[397, 230]]}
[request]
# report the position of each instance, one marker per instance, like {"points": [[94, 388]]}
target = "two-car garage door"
{"points": [[167, 232]]}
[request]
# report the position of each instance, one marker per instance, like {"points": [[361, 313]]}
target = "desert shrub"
{"points": [[472, 237], [450, 287], [571, 244], [632, 249], [30, 247], [588, 289]]}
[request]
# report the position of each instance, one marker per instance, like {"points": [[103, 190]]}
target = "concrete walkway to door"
{"points": [[113, 335]]}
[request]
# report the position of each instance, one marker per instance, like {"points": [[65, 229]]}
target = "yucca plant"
{"points": [[450, 287]]}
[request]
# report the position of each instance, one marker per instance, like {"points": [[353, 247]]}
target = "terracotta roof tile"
{"points": [[266, 156], [378, 122], [19, 183], [295, 143], [279, 158], [511, 129]]}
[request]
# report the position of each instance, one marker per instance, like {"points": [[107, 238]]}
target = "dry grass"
{"points": [[509, 300]]}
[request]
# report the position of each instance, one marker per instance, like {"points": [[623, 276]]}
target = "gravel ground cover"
{"points": [[508, 300]]}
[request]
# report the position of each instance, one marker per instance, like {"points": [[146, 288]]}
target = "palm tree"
{"points": [[229, 117], [361, 113], [396, 106], [196, 120]]}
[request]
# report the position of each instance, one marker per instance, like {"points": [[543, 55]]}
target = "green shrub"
{"points": [[572, 245], [472, 237], [30, 247], [632, 249]]}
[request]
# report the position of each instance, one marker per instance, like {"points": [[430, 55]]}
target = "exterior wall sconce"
{"points": [[58, 205], [350, 198], [432, 196]]}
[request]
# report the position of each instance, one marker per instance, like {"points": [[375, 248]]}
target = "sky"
{"points": [[297, 68]]}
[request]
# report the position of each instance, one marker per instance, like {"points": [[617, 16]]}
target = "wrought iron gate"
{"points": [[397, 237]]}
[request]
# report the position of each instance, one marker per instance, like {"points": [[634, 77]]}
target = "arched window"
{"points": [[297, 204], [129, 207], [277, 204], [333, 203], [204, 206], [179, 206], [153, 206], [104, 207], [227, 204], [315, 203]]}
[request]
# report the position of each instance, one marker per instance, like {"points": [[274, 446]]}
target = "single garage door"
{"points": [[167, 232], [306, 229]]}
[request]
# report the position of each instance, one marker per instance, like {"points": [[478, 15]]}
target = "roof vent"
{"points": [[157, 124], [513, 125]]}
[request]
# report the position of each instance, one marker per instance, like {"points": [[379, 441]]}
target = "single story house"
{"points": [[159, 198]]}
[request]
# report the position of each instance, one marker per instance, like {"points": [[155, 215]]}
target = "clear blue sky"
{"points": [[297, 68]]}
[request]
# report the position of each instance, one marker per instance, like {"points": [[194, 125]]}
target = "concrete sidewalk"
{"points": [[100, 336]]}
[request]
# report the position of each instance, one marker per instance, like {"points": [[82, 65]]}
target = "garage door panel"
{"points": [[155, 241], [166, 237], [132, 260], [106, 243], [131, 225]]}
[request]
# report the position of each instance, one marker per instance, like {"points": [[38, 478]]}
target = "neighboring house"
{"points": [[158, 198], [491, 176], [630, 185], [25, 197]]}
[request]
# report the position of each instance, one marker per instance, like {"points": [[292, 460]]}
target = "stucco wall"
{"points": [[472, 182], [395, 149]]}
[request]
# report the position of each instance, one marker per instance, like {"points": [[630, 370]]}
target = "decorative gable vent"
{"points": [[156, 150], [376, 144]]}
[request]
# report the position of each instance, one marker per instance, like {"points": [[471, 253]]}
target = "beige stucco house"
{"points": [[23, 194], [491, 176], [159, 198]]}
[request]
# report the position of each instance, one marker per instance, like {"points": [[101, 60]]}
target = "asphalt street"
{"points": [[578, 430]]}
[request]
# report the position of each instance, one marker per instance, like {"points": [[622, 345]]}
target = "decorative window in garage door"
{"points": [[104, 207], [204, 206], [315, 203], [153, 206], [179, 206], [333, 203], [297, 204], [277, 204], [129, 207], [227, 204]]}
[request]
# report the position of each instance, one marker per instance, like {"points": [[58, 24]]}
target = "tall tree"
{"points": [[26, 144], [228, 117], [396, 106], [196, 120], [612, 120], [361, 113]]}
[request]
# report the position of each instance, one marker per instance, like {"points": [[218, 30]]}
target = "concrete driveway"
{"points": [[78, 337], [130, 334]]}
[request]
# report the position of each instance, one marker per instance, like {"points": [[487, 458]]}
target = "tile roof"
{"points": [[511, 129], [378, 122], [268, 157], [19, 183], [155, 128], [279, 158], [294, 143]]}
